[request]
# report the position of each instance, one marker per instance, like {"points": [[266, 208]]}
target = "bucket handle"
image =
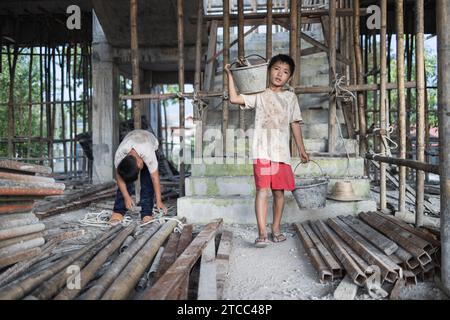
{"points": [[244, 62], [315, 162]]}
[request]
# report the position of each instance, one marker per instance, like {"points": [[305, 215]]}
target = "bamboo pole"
{"points": [[130, 275], [409, 66], [332, 133], [63, 113], [11, 118], [135, 69], [88, 272], [52, 286], [443, 42], [241, 52], [30, 99], [383, 97], [401, 101], [360, 78], [53, 89], [405, 162], [18, 289], [420, 109], [226, 60], [269, 23], [96, 291], [69, 91], [75, 113], [293, 36], [41, 114], [180, 29], [197, 85]]}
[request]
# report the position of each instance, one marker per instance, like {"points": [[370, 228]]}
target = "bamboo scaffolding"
{"points": [[241, 52], [135, 68], [420, 111], [226, 60], [383, 98], [198, 113], [180, 33], [269, 22], [401, 114], [361, 105], [332, 115]]}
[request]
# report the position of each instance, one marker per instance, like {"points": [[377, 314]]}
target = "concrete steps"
{"points": [[245, 186], [334, 167], [241, 209]]}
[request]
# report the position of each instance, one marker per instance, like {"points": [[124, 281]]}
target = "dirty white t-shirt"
{"points": [[275, 111], [145, 144]]}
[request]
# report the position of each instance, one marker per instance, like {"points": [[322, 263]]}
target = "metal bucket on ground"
{"points": [[250, 78], [311, 193]]}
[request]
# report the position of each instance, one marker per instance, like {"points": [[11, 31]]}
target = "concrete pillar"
{"points": [[105, 103]]}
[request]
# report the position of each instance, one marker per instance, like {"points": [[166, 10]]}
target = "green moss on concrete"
{"points": [[211, 187]]}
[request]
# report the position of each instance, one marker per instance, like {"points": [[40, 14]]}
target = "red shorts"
{"points": [[273, 175]]}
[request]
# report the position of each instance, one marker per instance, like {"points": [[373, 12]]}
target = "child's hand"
{"points": [[304, 157], [227, 68], [160, 206], [129, 203]]}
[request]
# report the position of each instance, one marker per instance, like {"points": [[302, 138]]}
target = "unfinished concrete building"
{"points": [[371, 79]]}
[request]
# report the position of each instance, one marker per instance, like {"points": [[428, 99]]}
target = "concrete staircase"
{"points": [[217, 189]]}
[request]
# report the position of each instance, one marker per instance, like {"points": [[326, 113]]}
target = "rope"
{"points": [[347, 96], [101, 219], [386, 140]]}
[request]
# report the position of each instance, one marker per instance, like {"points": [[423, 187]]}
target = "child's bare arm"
{"points": [[157, 188], [234, 98], [297, 131]]}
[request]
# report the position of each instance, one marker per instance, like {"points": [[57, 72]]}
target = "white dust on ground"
{"points": [[283, 271]]}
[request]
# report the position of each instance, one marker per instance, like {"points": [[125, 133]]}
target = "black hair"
{"points": [[128, 169], [285, 59]]}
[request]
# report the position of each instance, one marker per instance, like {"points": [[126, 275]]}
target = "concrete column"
{"points": [[105, 103]]}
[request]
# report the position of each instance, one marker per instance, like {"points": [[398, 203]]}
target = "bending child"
{"points": [[277, 111], [136, 154]]}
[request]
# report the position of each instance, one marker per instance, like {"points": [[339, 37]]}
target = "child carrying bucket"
{"points": [[277, 110]]}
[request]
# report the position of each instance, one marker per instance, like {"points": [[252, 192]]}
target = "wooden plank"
{"points": [[207, 284], [222, 261], [169, 255], [174, 276], [346, 290], [376, 238], [328, 258], [185, 239]]}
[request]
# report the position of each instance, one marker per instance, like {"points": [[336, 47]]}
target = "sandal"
{"points": [[261, 242], [146, 219], [115, 219], [278, 237]]}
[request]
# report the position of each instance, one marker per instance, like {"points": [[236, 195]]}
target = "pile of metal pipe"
{"points": [[373, 241], [20, 230]]}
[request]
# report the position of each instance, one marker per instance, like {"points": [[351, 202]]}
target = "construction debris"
{"points": [[374, 249], [20, 230]]}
